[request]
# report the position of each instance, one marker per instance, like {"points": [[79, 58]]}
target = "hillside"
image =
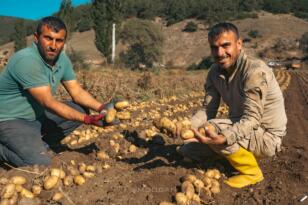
{"points": [[272, 29], [7, 27]]}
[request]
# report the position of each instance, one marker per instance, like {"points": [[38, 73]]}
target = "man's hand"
{"points": [[211, 137], [105, 107], [110, 105], [96, 120]]}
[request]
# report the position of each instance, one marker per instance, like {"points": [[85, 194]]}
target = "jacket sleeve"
{"points": [[255, 88], [210, 104]]}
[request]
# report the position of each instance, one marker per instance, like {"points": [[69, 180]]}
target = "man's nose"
{"points": [[53, 45], [220, 51]]}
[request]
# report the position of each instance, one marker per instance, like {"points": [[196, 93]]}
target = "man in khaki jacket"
{"points": [[257, 118]]}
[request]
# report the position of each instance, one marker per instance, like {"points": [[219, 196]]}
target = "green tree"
{"points": [[105, 13], [176, 10], [222, 10], [83, 17], [145, 42], [249, 5], [191, 27], [66, 14], [277, 6], [19, 36]]}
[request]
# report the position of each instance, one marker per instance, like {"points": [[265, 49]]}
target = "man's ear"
{"points": [[36, 37], [239, 44]]}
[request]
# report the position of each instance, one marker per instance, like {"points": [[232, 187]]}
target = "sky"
{"points": [[32, 9]]}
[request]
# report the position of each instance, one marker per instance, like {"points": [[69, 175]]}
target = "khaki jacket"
{"points": [[253, 96]]}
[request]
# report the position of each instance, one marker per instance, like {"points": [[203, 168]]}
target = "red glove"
{"points": [[96, 120]]}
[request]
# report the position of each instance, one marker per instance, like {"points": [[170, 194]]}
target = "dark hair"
{"points": [[52, 22], [220, 28]]}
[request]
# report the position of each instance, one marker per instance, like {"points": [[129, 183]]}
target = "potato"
{"points": [[215, 189], [217, 174], [188, 189], [198, 184], [187, 134], [13, 199], [132, 148], [102, 155], [36, 189], [18, 188], [123, 115], [121, 105], [186, 124], [208, 126], [190, 177], [68, 180], [116, 147], [150, 133], [3, 180], [8, 191], [82, 167], [26, 194], [181, 199], [57, 172], [66, 140], [88, 174], [195, 199], [215, 183], [79, 180], [57, 196], [111, 114], [210, 173], [207, 181], [90, 168], [72, 170], [50, 182], [168, 125], [18, 180]]}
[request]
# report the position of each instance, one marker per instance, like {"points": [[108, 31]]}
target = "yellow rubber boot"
{"points": [[245, 162]]}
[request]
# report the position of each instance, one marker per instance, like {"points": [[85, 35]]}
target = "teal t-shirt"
{"points": [[26, 69]]}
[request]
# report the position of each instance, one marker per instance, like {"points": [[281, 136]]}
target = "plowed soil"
{"points": [[152, 173]]}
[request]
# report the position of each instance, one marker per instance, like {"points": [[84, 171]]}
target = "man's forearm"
{"points": [[85, 99], [64, 111]]}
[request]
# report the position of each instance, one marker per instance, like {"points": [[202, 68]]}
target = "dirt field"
{"points": [[152, 173]]}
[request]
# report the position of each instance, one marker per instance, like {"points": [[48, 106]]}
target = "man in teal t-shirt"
{"points": [[28, 109]]}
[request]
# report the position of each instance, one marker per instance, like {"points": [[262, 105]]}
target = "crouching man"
{"points": [[28, 109], [257, 118]]}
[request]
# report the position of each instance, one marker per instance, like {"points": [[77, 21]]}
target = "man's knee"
{"points": [[41, 158], [34, 155], [196, 151]]}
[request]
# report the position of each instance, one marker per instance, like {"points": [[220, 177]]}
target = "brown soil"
{"points": [[152, 173]]}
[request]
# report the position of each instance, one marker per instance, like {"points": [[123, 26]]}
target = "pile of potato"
{"points": [[170, 126], [193, 188], [15, 187], [80, 138]]}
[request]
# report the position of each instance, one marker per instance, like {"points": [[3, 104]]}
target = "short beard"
{"points": [[44, 56]]}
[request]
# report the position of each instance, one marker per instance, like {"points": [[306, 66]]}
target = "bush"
{"points": [[303, 15], [190, 27], [244, 15], [144, 40], [253, 33], [204, 64]]}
